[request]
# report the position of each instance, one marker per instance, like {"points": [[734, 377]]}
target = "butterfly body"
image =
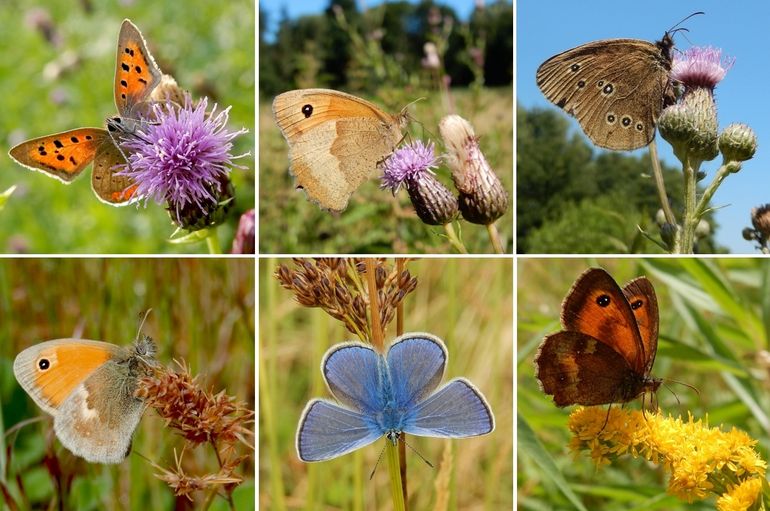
{"points": [[615, 88], [65, 155], [335, 141], [387, 395], [88, 387], [607, 347]]}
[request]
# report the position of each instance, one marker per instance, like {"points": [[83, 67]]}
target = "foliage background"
{"points": [[51, 87], [468, 304], [377, 54], [714, 335], [202, 313], [573, 199]]}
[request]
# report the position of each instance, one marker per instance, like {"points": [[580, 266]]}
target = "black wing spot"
{"points": [[60, 157], [124, 66], [74, 140], [58, 143], [626, 121], [636, 304], [603, 300], [562, 102], [307, 110]]}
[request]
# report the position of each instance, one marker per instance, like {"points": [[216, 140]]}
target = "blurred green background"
{"points": [[202, 313], [714, 335], [58, 75], [377, 54], [465, 302]]}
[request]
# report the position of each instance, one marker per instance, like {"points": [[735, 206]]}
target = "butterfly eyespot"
{"points": [[600, 83], [626, 121], [574, 68], [307, 110], [43, 364], [639, 127], [608, 89], [603, 300], [611, 118], [581, 84], [636, 304]]}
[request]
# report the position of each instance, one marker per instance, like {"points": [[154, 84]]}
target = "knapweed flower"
{"points": [[482, 196], [183, 159], [703, 461], [411, 166]]}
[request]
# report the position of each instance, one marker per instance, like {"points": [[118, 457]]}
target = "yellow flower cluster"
{"points": [[701, 460]]}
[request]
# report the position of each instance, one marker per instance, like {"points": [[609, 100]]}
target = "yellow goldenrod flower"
{"points": [[702, 460], [740, 497]]}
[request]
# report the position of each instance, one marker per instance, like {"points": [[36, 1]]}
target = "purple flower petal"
{"points": [[407, 162], [700, 67]]}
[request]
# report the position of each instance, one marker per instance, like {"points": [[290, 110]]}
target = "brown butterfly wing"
{"points": [[644, 304], [61, 155], [136, 73], [577, 369], [597, 307], [110, 188], [336, 141], [615, 88]]}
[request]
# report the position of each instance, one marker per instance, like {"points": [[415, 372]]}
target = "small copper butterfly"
{"points": [[64, 155], [607, 348]]}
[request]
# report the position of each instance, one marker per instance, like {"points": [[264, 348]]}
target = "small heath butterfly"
{"points": [[607, 347], [335, 141], [88, 387]]}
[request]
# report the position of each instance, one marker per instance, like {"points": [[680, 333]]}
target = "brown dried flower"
{"points": [[338, 287]]}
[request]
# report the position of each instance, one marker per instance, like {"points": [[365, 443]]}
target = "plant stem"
{"points": [[453, 239], [494, 237], [212, 241], [721, 174], [391, 452], [685, 242], [657, 173]]}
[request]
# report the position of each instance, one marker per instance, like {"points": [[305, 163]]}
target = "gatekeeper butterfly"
{"points": [[65, 155], [608, 345]]}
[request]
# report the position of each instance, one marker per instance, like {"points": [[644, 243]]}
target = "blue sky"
{"points": [[741, 29], [296, 8]]}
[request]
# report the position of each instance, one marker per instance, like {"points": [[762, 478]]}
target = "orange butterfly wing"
{"points": [[644, 304], [136, 73], [61, 155]]}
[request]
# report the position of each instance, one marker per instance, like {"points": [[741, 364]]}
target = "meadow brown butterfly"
{"points": [[88, 387], [65, 155], [615, 88], [608, 345], [335, 141]]}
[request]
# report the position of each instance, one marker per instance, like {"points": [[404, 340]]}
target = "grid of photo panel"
{"points": [[391, 255]]}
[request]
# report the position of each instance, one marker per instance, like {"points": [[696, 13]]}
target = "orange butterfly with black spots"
{"points": [[607, 348], [65, 155]]}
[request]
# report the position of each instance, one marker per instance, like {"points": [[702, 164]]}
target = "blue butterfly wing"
{"points": [[351, 372], [456, 410], [416, 363], [326, 431]]}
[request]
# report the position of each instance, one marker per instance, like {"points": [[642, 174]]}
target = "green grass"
{"points": [[207, 47], [714, 324], [468, 303], [202, 313], [374, 221]]}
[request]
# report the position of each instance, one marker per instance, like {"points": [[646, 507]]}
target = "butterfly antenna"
{"points": [[141, 323], [671, 30], [606, 420], [418, 454], [378, 462]]}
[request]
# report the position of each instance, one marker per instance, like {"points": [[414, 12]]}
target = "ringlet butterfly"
{"points": [[615, 88], [608, 345]]}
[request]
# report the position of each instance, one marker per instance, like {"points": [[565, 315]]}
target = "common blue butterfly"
{"points": [[389, 395]]}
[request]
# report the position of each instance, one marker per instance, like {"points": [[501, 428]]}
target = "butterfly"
{"points": [[615, 88], [607, 347], [387, 395], [335, 141], [65, 155], [88, 387]]}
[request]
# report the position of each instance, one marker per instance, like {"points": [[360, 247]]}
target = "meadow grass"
{"points": [[467, 303], [53, 87], [375, 221], [202, 313], [714, 328]]}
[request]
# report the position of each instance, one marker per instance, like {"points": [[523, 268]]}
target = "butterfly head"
{"points": [[393, 435]]}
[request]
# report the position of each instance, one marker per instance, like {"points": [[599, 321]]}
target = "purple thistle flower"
{"points": [[183, 157], [408, 162], [700, 67]]}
